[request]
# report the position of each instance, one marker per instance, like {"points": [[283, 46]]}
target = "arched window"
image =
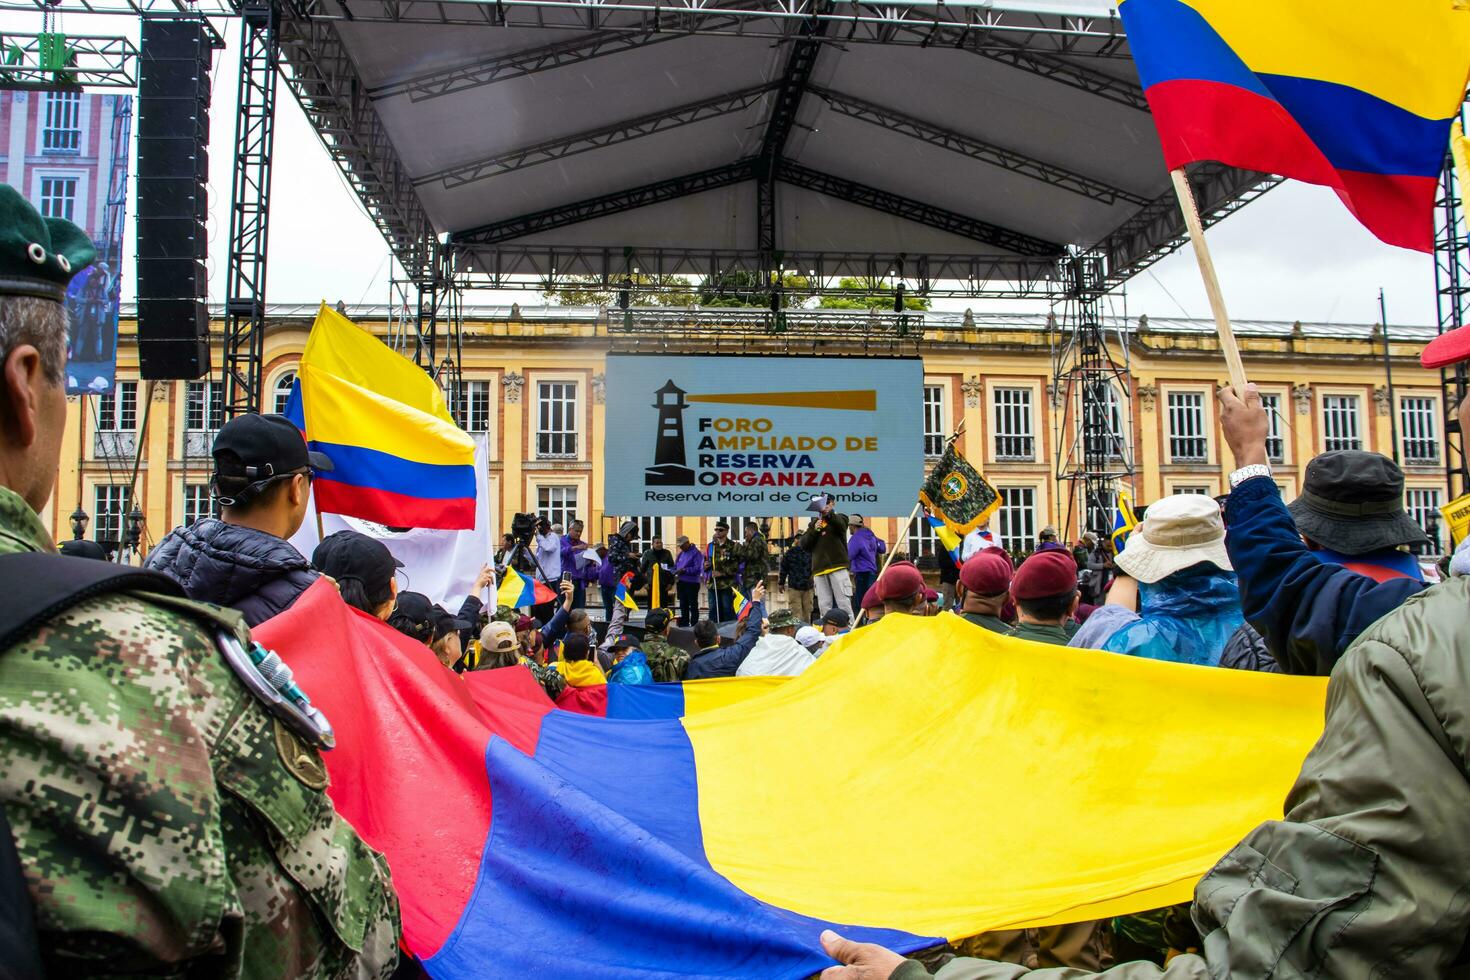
{"points": [[281, 393]]}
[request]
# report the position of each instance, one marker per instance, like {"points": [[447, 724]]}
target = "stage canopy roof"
{"points": [[973, 143]]}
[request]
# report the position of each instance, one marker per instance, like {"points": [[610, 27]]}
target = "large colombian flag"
{"points": [[397, 456], [1356, 95], [720, 844]]}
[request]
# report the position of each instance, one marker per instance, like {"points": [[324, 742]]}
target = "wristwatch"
{"points": [[1248, 473]]}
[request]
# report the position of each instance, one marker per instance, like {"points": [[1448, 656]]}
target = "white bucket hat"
{"points": [[1176, 532]]}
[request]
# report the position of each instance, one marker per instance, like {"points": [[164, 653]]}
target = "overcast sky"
{"points": [[1296, 254]]}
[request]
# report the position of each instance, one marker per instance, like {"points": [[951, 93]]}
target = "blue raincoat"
{"points": [[1186, 617], [632, 669]]}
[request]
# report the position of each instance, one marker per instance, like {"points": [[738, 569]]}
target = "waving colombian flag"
{"points": [[398, 458], [717, 845], [623, 595], [947, 539], [517, 590], [1356, 95]]}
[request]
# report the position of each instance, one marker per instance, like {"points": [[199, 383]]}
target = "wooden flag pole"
{"points": [[1228, 346]]}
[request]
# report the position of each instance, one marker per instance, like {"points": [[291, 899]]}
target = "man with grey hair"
{"points": [[121, 705]]}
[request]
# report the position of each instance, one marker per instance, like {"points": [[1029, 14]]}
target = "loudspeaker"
{"points": [[177, 344], [174, 60]]}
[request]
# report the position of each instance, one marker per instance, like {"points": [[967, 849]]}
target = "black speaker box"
{"points": [[172, 277], [171, 238], [173, 360], [168, 197]]}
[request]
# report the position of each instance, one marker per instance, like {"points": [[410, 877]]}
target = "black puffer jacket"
{"points": [[1246, 650], [251, 571]]}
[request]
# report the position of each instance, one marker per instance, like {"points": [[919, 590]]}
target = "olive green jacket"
{"points": [[1367, 874], [167, 824]]}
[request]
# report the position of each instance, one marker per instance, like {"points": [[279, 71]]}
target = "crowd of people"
{"points": [[125, 694]]}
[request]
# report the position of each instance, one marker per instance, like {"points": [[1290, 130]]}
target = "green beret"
{"points": [[38, 256]]}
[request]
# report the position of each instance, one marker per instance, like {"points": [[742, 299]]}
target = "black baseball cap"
{"points": [[252, 450], [352, 554], [836, 617], [446, 622], [416, 607]]}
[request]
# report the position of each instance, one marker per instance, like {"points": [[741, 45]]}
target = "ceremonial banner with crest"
{"points": [[957, 494]]}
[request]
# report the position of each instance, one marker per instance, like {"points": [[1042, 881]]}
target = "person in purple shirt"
{"points": [[863, 549], [688, 572], [583, 573], [607, 583]]}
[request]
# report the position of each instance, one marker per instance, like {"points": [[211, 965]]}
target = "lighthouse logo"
{"points": [[669, 467]]}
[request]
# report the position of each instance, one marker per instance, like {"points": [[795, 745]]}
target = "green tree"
{"points": [[654, 291], [876, 295], [753, 289]]}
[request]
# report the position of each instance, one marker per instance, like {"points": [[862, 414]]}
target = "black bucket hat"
{"points": [[1353, 502]]}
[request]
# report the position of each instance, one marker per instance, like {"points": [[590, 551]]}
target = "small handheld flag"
{"points": [[1124, 521], [623, 594], [517, 590], [947, 538], [742, 606]]}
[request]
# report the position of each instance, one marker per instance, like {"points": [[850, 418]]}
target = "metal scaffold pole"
{"points": [[250, 191], [1452, 300], [1094, 391]]}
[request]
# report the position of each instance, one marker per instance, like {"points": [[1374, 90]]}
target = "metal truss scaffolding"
{"points": [[1093, 387], [440, 318], [250, 192], [1452, 297]]}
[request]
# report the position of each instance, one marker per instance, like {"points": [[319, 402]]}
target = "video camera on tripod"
{"points": [[523, 526]]}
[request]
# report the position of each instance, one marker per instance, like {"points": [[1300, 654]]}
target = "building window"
{"points": [[281, 394], [204, 406], [737, 527], [58, 197], [1103, 430], [1419, 429], [922, 540], [648, 529], [1187, 442], [557, 504], [204, 413], [61, 130], [1198, 491], [109, 504], [1275, 443], [1340, 429], [117, 410], [1016, 519], [1102, 507], [198, 504], [1014, 438], [935, 431], [117, 421], [470, 405], [1423, 508], [556, 420]]}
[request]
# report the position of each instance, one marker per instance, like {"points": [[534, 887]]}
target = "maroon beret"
{"points": [[1046, 573], [987, 573], [900, 581]]}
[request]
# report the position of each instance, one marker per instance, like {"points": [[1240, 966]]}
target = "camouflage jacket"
{"points": [[666, 661], [165, 822], [756, 554], [722, 563]]}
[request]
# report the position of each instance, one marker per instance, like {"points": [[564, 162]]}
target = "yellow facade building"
{"points": [[533, 381]]}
